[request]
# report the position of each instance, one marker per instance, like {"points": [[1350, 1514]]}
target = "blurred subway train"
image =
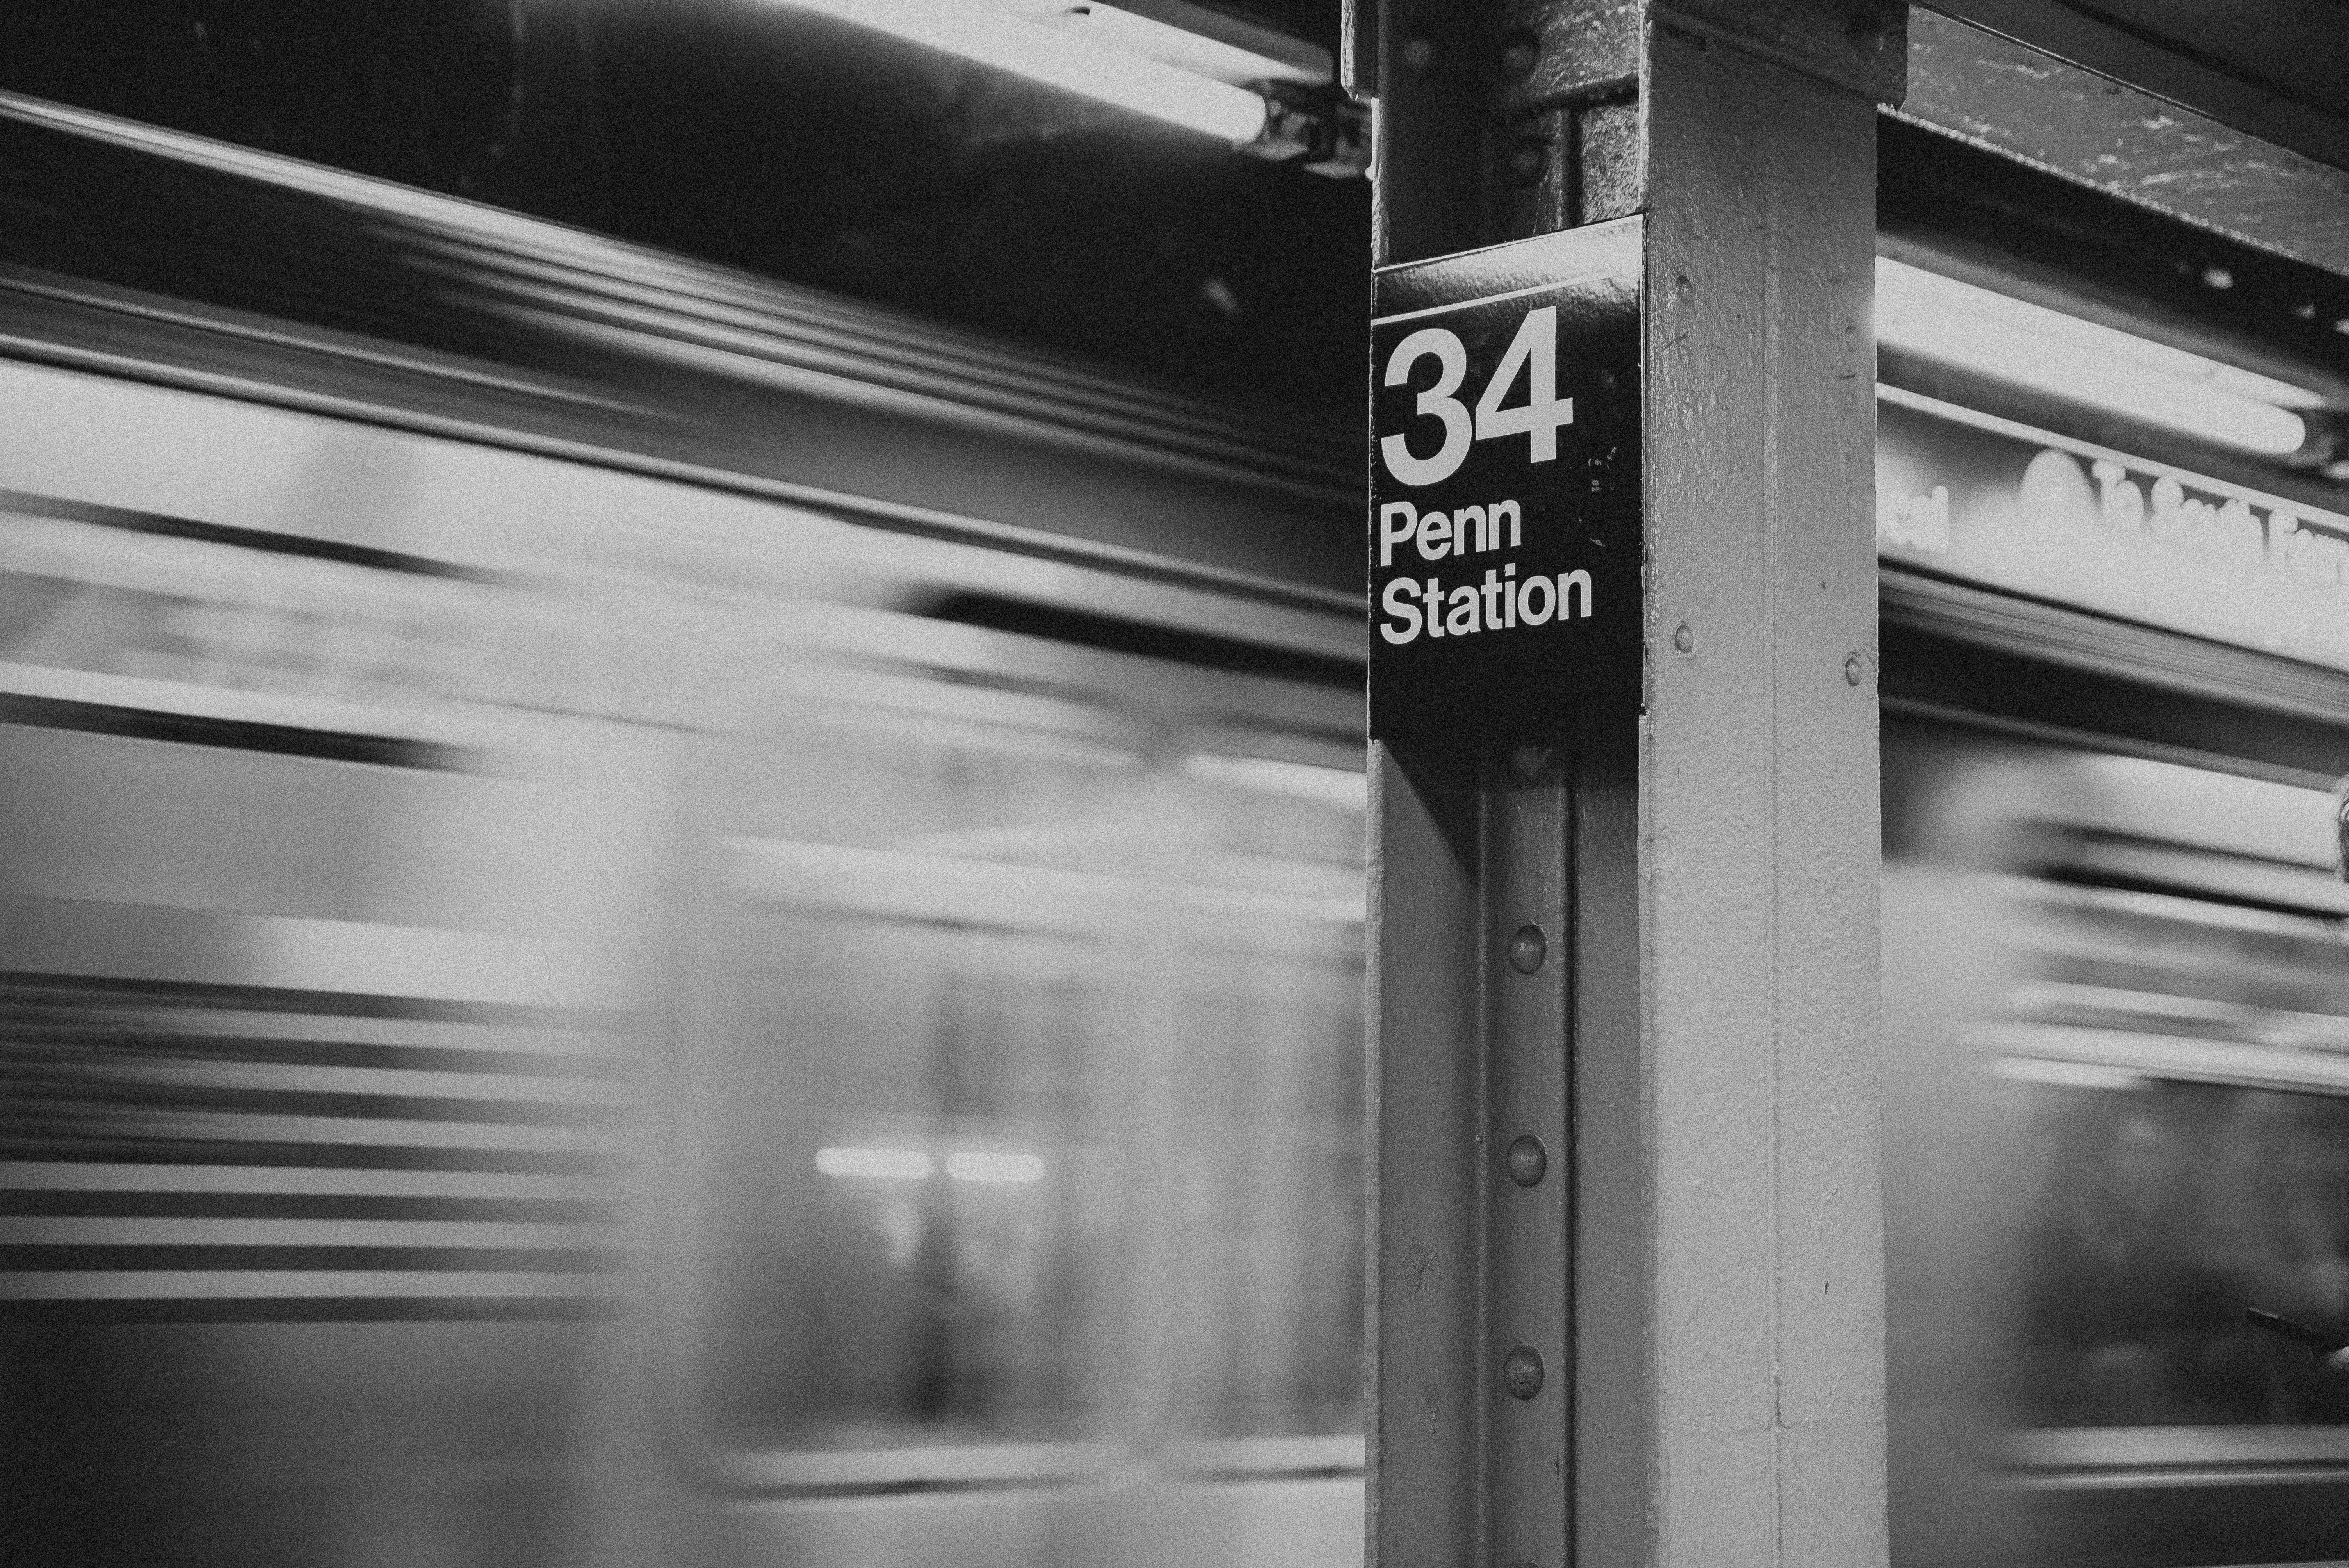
{"points": [[2116, 705], [648, 918]]}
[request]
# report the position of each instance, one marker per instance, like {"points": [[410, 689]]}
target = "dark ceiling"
{"points": [[756, 135]]}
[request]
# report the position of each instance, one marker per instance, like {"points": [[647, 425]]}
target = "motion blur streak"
{"points": [[570, 995], [488, 1023], [2115, 1004]]}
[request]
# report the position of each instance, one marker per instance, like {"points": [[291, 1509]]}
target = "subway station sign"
{"points": [[1505, 488]]}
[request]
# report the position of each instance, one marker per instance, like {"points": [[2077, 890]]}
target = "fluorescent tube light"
{"points": [[2029, 346], [1064, 56]]}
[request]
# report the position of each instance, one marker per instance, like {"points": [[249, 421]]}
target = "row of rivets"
{"points": [[1527, 1161]]}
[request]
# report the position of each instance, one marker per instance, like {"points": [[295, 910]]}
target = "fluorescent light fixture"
{"points": [[2029, 346], [994, 1165], [874, 1164], [1101, 64]]}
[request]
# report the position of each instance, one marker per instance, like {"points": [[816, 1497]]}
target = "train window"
{"points": [[2161, 1213], [1029, 1051]]}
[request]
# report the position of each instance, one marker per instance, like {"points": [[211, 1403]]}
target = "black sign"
{"points": [[1505, 488]]}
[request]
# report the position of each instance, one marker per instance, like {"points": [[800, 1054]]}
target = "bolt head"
{"points": [[1855, 670], [1527, 1160], [1528, 948], [1418, 52], [1684, 639], [1521, 1372], [1520, 52]]}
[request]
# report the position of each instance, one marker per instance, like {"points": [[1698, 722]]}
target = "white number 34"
{"points": [[1533, 351]]}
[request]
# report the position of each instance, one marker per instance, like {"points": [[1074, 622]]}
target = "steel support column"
{"points": [[1697, 1267]]}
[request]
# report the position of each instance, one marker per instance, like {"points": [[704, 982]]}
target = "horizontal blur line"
{"points": [[187, 1231], [761, 1466], [243, 538], [162, 1043], [234, 734], [771, 1472], [1026, 617], [2167, 1479], [300, 1182], [997, 894], [230, 1126], [43, 1259], [309, 1309], [83, 1092], [190, 1205], [2087, 740], [194, 1026], [116, 1148], [1270, 1456], [255, 1285], [151, 939], [1239, 1475], [107, 990], [909, 1487], [153, 1069]]}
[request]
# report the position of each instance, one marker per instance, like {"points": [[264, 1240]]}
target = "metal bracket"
{"points": [[1318, 127]]}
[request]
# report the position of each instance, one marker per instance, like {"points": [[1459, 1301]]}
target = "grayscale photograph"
{"points": [[1173, 784]]}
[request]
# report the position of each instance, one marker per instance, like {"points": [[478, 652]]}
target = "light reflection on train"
{"points": [[527, 1042]]}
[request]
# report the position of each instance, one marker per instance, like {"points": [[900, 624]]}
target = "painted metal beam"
{"points": [[1693, 847]]}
